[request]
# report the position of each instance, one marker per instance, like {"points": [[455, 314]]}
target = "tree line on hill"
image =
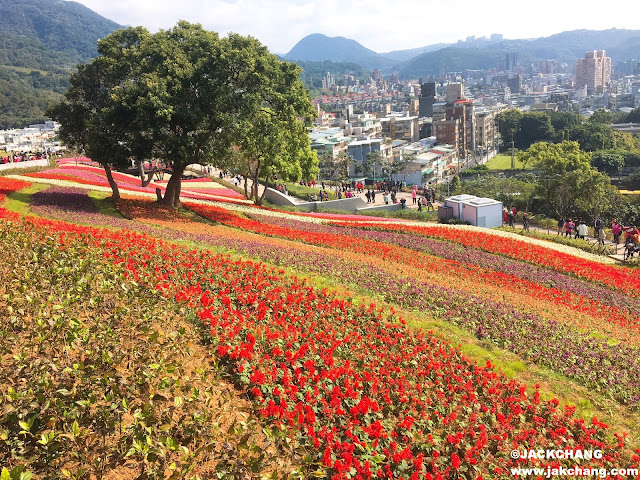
{"points": [[521, 129], [186, 96]]}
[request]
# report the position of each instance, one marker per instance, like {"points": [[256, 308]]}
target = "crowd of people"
{"points": [[22, 157], [578, 229]]}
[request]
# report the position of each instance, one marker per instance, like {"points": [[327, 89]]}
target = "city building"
{"points": [[454, 121], [593, 71], [359, 150], [511, 61], [399, 126], [427, 99]]}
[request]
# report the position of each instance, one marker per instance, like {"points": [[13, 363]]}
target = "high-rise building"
{"points": [[594, 70], [511, 61], [427, 99], [515, 83]]}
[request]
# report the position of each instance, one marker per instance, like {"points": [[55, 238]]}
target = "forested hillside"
{"points": [[41, 41]]}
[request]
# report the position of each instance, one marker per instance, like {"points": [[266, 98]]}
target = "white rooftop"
{"points": [[481, 202], [461, 198]]}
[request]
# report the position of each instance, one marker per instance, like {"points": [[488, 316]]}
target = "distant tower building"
{"points": [[455, 92], [594, 70], [515, 83], [511, 61], [427, 99]]}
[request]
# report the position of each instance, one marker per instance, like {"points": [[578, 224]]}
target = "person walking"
{"points": [[414, 196], [568, 228], [525, 221], [581, 231], [368, 195], [616, 230], [561, 223], [597, 225], [601, 236], [373, 196]]}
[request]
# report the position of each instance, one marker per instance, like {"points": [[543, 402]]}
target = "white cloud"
{"points": [[380, 25]]}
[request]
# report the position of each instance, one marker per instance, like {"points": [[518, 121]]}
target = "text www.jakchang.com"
{"points": [[550, 472]]}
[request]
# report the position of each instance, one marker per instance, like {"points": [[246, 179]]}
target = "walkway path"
{"points": [[379, 200], [618, 249]]}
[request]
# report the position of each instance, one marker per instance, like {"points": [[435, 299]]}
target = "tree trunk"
{"points": [[254, 188], [246, 186], [112, 183], [264, 192], [172, 193], [147, 181]]}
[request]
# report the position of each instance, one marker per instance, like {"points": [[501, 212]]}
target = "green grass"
{"points": [[301, 192], [503, 162], [104, 204], [20, 201]]}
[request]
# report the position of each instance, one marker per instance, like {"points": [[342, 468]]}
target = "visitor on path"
{"points": [[631, 235], [561, 223], [525, 221], [393, 197], [505, 216], [414, 196], [582, 231], [616, 230], [512, 218], [568, 228], [601, 236], [368, 195], [420, 205], [373, 196], [386, 198], [597, 225]]}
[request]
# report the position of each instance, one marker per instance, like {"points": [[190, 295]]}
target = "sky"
{"points": [[381, 25]]}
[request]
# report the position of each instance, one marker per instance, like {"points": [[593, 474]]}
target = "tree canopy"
{"points": [[186, 96], [568, 185]]}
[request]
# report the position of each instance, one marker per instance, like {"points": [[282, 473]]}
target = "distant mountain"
{"points": [[481, 53], [41, 41], [403, 55], [41, 33], [450, 59], [565, 47], [318, 48]]}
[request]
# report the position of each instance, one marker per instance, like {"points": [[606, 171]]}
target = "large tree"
{"points": [[567, 182], [271, 120], [93, 121]]}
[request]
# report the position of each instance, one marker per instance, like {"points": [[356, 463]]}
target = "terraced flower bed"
{"points": [[348, 390]]}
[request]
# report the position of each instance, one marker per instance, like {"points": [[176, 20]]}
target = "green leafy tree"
{"points": [[371, 164], [633, 116], [534, 127], [93, 119], [335, 168], [509, 126], [607, 162], [592, 136], [568, 183], [601, 117], [562, 123], [273, 116], [393, 165]]}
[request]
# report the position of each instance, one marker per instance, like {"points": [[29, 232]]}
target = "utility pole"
{"points": [[513, 160]]}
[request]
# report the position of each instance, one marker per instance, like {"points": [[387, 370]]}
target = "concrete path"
{"points": [[618, 249]]}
